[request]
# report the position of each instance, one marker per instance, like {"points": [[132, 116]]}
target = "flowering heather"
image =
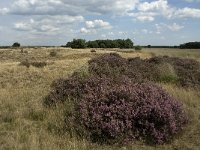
{"points": [[119, 111], [184, 72], [125, 112], [187, 70], [108, 65]]}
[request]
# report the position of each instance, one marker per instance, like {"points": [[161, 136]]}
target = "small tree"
{"points": [[16, 44], [78, 43]]}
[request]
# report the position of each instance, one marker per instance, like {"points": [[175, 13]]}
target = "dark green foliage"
{"points": [[77, 44], [119, 43], [149, 46], [92, 44], [16, 44], [190, 45]]}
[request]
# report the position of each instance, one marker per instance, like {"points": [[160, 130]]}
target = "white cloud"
{"points": [[86, 31], [69, 7], [93, 26], [96, 24], [175, 27], [143, 16], [4, 11], [187, 13], [163, 26], [155, 5], [191, 1], [47, 24]]}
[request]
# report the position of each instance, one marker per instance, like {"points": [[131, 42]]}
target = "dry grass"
{"points": [[26, 124]]}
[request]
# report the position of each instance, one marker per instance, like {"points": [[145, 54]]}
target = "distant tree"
{"points": [[77, 44], [119, 43], [92, 44], [128, 43], [149, 46], [190, 45], [16, 44], [68, 44], [102, 45]]}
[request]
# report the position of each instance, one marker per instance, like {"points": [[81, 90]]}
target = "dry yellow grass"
{"points": [[26, 125]]}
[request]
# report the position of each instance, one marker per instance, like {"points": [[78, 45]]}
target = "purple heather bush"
{"points": [[125, 112], [122, 108], [183, 72]]}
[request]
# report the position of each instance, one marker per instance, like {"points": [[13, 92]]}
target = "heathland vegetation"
{"points": [[118, 99]]}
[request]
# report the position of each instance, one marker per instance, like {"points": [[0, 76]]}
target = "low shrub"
{"points": [[128, 111], [184, 72], [93, 51], [111, 65], [187, 70], [53, 53], [138, 48], [39, 64], [116, 112], [27, 64]]}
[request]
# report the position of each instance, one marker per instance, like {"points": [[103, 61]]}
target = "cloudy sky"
{"points": [[54, 22]]}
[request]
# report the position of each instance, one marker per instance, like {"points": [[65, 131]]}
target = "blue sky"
{"points": [[55, 22]]}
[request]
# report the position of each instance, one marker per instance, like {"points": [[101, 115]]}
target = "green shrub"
{"points": [[16, 44]]}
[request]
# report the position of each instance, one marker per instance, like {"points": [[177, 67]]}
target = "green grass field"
{"points": [[26, 125]]}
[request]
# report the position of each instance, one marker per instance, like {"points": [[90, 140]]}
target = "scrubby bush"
{"points": [[184, 72], [108, 65], [40, 64], [93, 51], [16, 44], [27, 64], [109, 111], [138, 48], [127, 112], [53, 53], [187, 70]]}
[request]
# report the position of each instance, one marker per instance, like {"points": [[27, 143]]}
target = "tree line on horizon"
{"points": [[122, 44], [118, 43]]}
